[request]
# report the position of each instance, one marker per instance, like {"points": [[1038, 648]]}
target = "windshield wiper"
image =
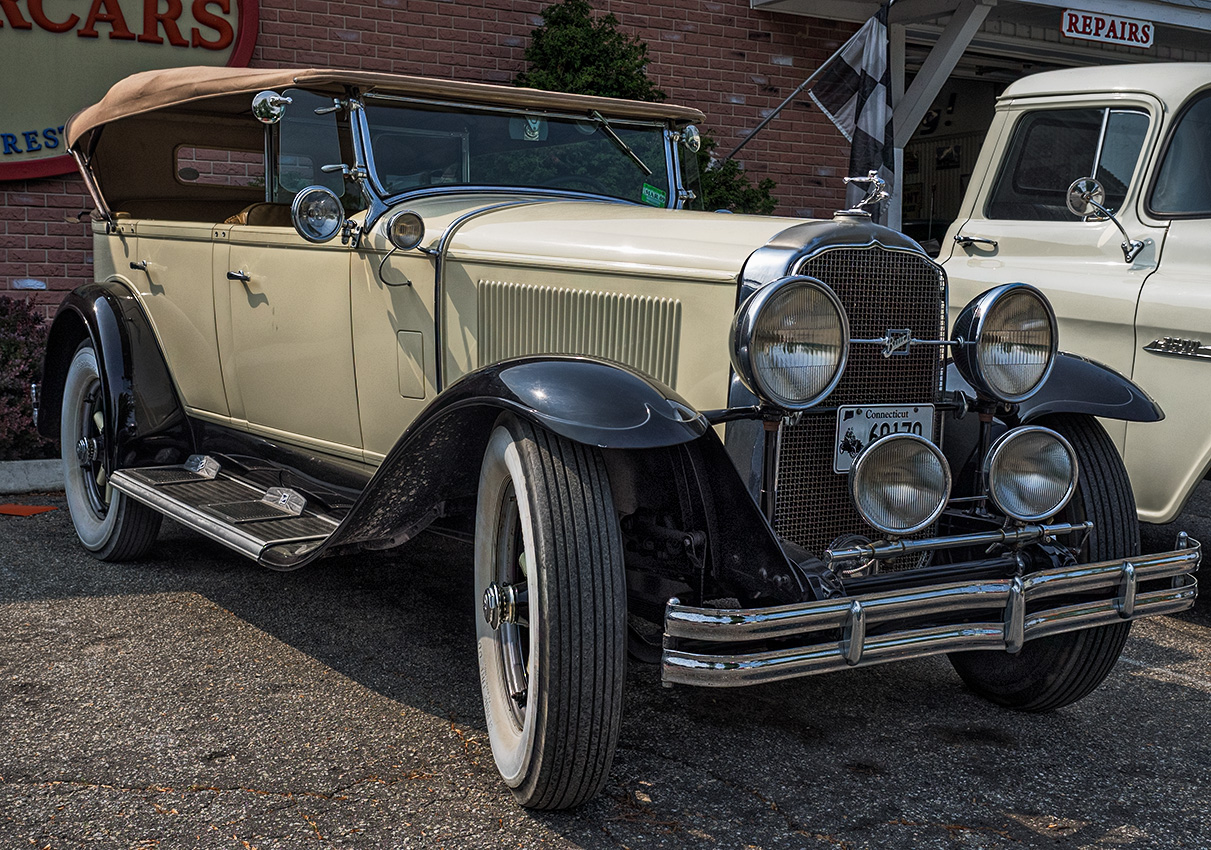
{"points": [[616, 139]]}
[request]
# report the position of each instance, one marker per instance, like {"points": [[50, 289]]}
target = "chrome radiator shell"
{"points": [[882, 288]]}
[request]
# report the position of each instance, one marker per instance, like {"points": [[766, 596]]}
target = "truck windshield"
{"points": [[417, 146]]}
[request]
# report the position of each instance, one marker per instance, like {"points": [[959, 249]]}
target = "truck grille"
{"points": [[881, 289]]}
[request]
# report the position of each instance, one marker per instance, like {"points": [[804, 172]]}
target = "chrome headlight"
{"points": [[1010, 342], [317, 214], [1031, 473], [900, 483], [789, 342]]}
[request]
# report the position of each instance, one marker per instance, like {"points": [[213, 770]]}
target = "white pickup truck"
{"points": [[1124, 259]]}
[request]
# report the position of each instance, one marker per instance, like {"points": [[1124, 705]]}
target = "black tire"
{"points": [[110, 526], [545, 523], [1055, 671]]}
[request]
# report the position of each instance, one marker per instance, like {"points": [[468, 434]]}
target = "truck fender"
{"points": [[145, 421]]}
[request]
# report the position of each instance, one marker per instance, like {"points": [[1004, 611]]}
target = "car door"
{"points": [[285, 337], [1018, 227], [1173, 332]]}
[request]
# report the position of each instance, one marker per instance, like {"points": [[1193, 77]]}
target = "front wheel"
{"points": [[1055, 671], [111, 526], [552, 629]]}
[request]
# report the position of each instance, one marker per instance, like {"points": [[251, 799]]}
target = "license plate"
{"points": [[859, 426]]}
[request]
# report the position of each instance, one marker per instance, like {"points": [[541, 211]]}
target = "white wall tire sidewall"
{"points": [[511, 748], [93, 530]]}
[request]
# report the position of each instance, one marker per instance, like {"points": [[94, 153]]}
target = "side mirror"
{"points": [[317, 214], [1086, 196], [268, 107]]}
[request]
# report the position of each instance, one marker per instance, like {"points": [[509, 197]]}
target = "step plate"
{"points": [[193, 503], [157, 477], [247, 511]]}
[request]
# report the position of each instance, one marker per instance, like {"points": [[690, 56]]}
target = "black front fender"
{"points": [[438, 457], [1078, 385]]}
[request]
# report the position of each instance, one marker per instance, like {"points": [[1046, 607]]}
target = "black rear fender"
{"points": [[145, 422]]}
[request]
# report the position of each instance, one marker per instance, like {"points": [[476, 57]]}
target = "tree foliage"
{"points": [[573, 51]]}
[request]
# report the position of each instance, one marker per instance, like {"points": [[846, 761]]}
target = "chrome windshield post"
{"points": [[363, 162]]}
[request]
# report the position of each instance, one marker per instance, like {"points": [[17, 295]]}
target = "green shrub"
{"points": [[22, 343], [725, 186]]}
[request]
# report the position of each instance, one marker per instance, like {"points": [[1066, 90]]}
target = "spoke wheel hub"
{"points": [[505, 604]]}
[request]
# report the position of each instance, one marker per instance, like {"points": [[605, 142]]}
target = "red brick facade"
{"points": [[732, 62]]}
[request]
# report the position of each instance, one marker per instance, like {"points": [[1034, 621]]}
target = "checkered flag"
{"points": [[854, 90]]}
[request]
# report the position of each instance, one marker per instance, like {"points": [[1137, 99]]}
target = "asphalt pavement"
{"points": [[196, 700]]}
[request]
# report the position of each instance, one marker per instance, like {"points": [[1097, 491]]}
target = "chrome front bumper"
{"points": [[1016, 609]]}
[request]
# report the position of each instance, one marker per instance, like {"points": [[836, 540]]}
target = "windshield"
{"points": [[417, 146]]}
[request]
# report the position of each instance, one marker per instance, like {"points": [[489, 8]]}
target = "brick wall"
{"points": [[734, 63]]}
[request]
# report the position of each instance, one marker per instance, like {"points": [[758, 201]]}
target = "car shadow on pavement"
{"points": [[360, 673]]}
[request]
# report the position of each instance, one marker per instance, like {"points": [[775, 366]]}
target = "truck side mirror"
{"points": [[1087, 197]]}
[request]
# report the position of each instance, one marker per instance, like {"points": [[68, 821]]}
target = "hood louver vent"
{"points": [[642, 332]]}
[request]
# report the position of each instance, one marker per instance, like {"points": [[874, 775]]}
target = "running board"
{"points": [[226, 508]]}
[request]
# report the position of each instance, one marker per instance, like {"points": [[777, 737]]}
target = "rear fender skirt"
{"points": [[145, 422], [437, 459]]}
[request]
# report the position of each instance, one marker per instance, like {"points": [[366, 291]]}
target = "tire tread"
{"points": [[585, 664]]}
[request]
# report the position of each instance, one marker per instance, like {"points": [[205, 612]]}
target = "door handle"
{"points": [[140, 266], [240, 275], [968, 241]]}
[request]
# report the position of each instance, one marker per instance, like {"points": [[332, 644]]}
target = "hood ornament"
{"points": [[876, 193]]}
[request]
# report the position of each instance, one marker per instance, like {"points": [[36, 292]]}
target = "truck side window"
{"points": [[1049, 149], [1183, 183]]}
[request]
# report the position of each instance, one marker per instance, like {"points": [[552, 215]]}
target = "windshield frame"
{"points": [[382, 198]]}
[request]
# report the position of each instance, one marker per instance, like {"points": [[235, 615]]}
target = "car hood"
{"points": [[603, 236]]}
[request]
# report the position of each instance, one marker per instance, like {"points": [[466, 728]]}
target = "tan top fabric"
{"points": [[151, 90]]}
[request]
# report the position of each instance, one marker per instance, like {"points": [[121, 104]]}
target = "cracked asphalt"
{"points": [[197, 700]]}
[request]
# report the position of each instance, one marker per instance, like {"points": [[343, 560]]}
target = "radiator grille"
{"points": [[880, 289], [641, 331]]}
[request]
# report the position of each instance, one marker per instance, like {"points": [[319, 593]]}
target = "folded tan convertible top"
{"points": [[151, 90]]}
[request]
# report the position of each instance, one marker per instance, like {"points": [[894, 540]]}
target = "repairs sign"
{"points": [[1112, 29]]}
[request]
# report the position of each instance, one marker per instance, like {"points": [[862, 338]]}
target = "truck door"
{"points": [[1020, 228], [1173, 329]]}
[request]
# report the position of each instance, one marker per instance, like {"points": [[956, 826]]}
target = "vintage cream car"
{"points": [[1129, 289], [332, 309]]}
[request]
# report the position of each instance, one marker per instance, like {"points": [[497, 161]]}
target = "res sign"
{"points": [[62, 55]]}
